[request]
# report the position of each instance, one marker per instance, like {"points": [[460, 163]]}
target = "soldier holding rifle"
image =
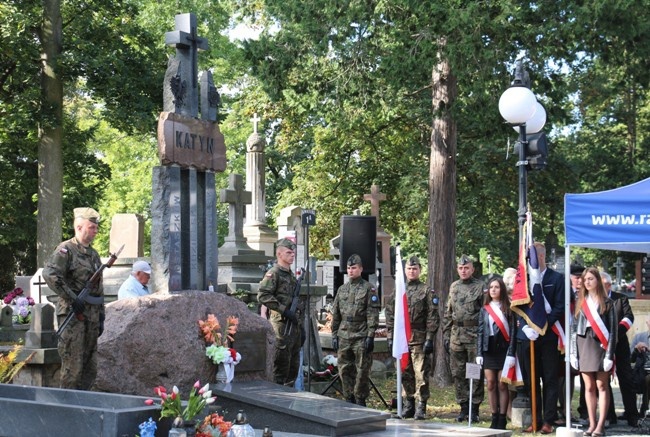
{"points": [[355, 317], [67, 273], [276, 292]]}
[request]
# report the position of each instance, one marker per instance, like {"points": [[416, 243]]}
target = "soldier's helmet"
{"points": [[285, 242], [414, 261], [464, 260], [354, 259]]}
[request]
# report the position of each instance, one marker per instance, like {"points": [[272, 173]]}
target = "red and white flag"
{"points": [[402, 327]]}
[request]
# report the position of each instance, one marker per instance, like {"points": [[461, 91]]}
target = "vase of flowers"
{"points": [[21, 305], [219, 341], [214, 425], [171, 405]]}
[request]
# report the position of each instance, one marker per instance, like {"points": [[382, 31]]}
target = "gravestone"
{"points": [[43, 367], [258, 235], [387, 282], [239, 264], [38, 288], [184, 221], [127, 230]]}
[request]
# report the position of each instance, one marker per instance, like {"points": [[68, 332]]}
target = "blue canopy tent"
{"points": [[617, 219]]}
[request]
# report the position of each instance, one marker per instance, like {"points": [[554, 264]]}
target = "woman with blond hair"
{"points": [[593, 342]]}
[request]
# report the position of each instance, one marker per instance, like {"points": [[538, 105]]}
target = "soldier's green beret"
{"points": [[464, 259], [354, 259], [285, 242], [414, 261], [86, 213]]}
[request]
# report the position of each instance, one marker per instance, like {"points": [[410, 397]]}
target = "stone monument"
{"points": [[258, 235], [239, 264], [386, 279], [184, 223]]}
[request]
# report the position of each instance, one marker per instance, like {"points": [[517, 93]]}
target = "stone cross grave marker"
{"points": [[374, 198], [237, 198]]}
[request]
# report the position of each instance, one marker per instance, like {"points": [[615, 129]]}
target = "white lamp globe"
{"points": [[537, 121], [517, 104]]}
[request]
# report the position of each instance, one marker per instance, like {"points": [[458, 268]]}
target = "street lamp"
{"points": [[520, 108]]}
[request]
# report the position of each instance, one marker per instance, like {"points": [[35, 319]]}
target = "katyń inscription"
{"points": [[190, 142]]}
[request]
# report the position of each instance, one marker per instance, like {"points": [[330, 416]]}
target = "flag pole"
{"points": [[533, 388], [399, 388]]}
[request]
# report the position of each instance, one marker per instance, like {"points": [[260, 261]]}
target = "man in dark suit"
{"points": [[622, 353], [547, 355]]}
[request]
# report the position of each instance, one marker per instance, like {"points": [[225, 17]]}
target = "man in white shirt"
{"points": [[136, 284]]}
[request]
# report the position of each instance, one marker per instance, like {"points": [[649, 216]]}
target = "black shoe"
{"points": [[408, 408], [361, 402], [464, 412], [351, 400], [420, 411]]}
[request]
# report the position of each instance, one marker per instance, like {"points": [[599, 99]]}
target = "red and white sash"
{"points": [[557, 328], [590, 310], [500, 319]]}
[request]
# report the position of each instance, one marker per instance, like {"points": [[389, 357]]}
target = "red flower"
{"points": [[148, 402], [233, 353]]}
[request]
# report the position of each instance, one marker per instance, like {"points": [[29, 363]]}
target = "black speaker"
{"points": [[358, 235]]}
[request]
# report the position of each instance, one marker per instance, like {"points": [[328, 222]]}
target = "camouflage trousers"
{"points": [[415, 378], [354, 368], [78, 351], [459, 355], [286, 354]]}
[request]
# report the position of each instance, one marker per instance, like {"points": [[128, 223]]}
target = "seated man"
{"points": [[641, 351]]}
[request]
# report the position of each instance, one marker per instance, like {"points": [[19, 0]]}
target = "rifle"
{"points": [[83, 293], [294, 302]]}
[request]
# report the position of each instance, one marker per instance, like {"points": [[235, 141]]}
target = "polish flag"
{"points": [[402, 328]]}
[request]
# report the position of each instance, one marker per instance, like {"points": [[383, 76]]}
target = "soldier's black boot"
{"points": [[408, 409], [361, 401], [420, 411], [502, 421], [351, 399], [475, 417], [495, 420], [464, 412]]}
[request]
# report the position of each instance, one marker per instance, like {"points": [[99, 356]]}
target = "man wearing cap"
{"points": [[355, 317], [460, 333], [73, 263], [424, 319], [276, 293], [136, 284]]}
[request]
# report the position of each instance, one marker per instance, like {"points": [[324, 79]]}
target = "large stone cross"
{"points": [[374, 198], [255, 120], [237, 198]]}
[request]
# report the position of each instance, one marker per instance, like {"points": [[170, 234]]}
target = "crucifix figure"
{"points": [[237, 198], [187, 44], [374, 198]]}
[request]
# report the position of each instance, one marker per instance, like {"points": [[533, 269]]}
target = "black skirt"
{"points": [[590, 353], [495, 356]]}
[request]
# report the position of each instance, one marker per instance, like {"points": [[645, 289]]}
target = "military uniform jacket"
{"points": [[276, 293], [423, 313], [67, 272], [355, 312], [462, 313]]}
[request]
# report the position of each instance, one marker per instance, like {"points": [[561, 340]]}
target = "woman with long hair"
{"points": [[593, 342], [496, 341]]}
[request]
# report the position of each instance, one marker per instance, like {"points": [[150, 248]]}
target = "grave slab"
{"points": [[60, 412], [285, 409]]}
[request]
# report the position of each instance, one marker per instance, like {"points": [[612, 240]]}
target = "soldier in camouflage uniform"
{"points": [[460, 334], [355, 317], [276, 293], [425, 320], [66, 273]]}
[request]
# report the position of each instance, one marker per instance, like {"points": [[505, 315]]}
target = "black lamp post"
{"points": [[520, 108]]}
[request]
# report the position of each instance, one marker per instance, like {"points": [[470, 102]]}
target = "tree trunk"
{"points": [[50, 131], [442, 198]]}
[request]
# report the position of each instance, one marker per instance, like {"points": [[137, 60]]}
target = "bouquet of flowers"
{"points": [[172, 407], [213, 425], [22, 306], [219, 340]]}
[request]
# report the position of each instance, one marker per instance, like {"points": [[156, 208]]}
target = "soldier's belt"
{"points": [[466, 323], [419, 326], [355, 319]]}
